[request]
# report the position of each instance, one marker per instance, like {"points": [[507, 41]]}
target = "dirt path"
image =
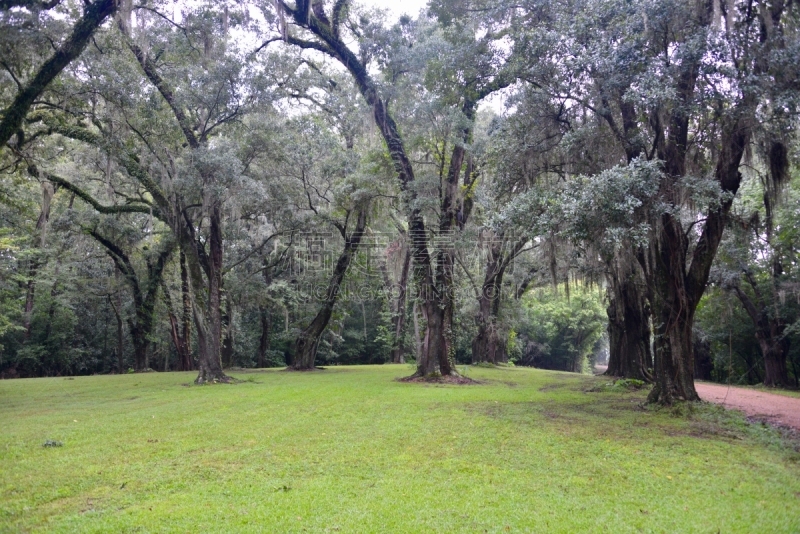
{"points": [[777, 409]]}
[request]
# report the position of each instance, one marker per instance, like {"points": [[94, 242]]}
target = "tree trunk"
{"points": [[209, 364], [215, 279], [305, 346], [180, 341], [41, 226], [120, 340], [263, 342], [399, 318], [140, 346], [186, 319], [486, 343], [678, 284], [417, 340], [628, 323], [673, 315], [228, 336], [773, 344], [775, 353]]}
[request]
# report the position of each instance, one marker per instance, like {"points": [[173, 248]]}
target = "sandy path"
{"points": [[777, 409]]}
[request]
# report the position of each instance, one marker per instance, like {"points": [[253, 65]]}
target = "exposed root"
{"points": [[218, 379], [458, 380]]}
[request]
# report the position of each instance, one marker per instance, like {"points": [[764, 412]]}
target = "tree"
{"points": [[433, 275]]}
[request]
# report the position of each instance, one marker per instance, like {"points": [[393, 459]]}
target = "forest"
{"points": [[205, 186]]}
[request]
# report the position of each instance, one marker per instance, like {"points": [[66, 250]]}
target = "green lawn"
{"points": [[353, 450]]}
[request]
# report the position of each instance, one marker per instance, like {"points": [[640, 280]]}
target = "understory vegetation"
{"points": [[348, 449]]}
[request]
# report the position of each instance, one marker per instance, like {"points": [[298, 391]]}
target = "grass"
{"points": [[353, 450]]}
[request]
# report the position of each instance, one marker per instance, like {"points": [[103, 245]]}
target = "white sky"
{"points": [[398, 7]]}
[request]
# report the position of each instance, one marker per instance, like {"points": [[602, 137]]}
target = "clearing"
{"points": [[352, 449]]}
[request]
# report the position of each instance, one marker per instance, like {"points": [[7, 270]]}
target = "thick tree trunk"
{"points": [[673, 316], [775, 353], [305, 346], [628, 324], [209, 365], [433, 343]]}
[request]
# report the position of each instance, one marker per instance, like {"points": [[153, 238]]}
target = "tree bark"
{"points": [[676, 289], [486, 342], [207, 300], [628, 321]]}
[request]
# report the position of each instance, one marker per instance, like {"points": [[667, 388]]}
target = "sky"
{"points": [[397, 7]]}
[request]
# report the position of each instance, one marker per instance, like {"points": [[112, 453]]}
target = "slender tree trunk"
{"points": [[180, 341], [120, 340], [228, 336], [486, 341], [417, 339], [305, 347], [41, 227], [214, 310], [263, 342], [186, 319], [399, 319]]}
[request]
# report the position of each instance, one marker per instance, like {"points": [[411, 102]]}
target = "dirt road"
{"points": [[778, 409]]}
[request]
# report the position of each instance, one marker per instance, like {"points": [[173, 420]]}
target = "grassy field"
{"points": [[353, 450]]}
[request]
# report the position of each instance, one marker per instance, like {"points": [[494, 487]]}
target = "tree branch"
{"points": [[92, 18]]}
